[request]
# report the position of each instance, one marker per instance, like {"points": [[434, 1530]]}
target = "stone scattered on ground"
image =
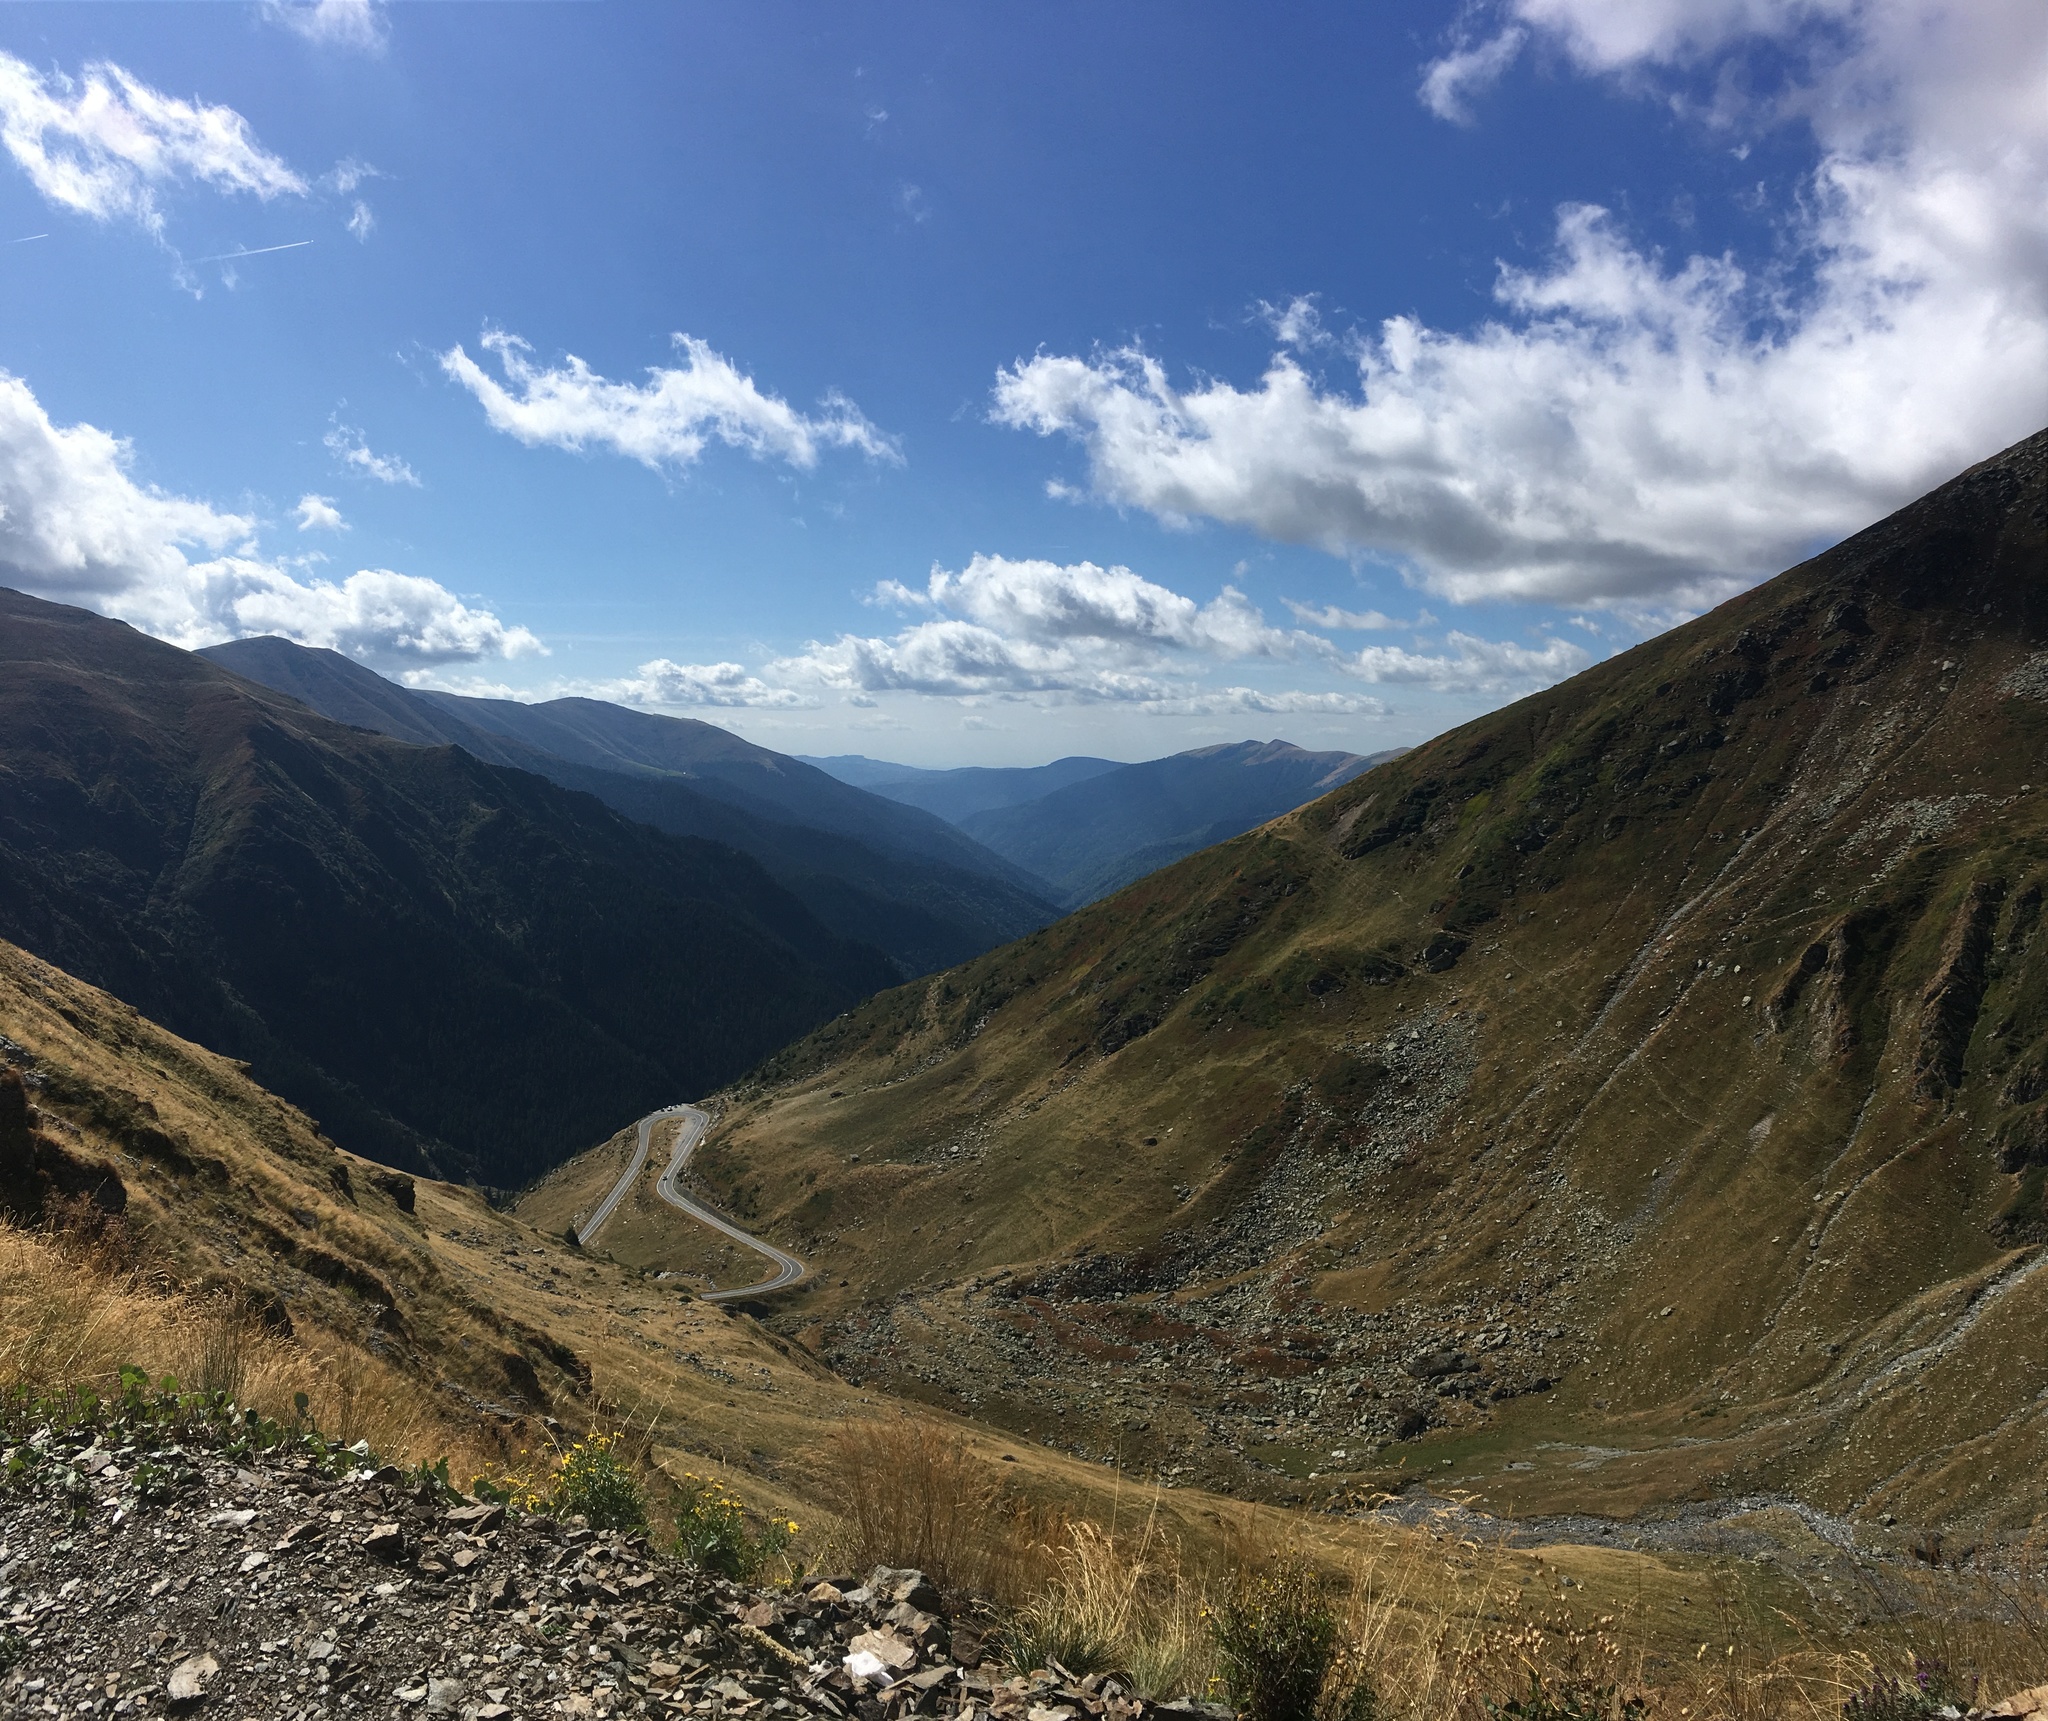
{"points": [[184, 1581]]}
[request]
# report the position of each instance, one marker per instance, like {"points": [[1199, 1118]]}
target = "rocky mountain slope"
{"points": [[451, 964], [1635, 1095], [871, 871], [218, 1578]]}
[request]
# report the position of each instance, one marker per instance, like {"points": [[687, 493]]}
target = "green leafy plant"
{"points": [[1037, 1637], [591, 1480], [1575, 1701], [713, 1532], [1279, 1642]]}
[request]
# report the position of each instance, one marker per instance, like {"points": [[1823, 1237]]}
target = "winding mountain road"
{"points": [[788, 1269]]}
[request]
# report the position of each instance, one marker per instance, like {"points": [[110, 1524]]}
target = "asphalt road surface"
{"points": [[788, 1269]]}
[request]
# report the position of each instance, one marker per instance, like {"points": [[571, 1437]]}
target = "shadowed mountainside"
{"points": [[1637, 1095], [448, 962], [871, 871], [958, 794]]}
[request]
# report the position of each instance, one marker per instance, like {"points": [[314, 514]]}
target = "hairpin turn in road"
{"points": [[788, 1269]]}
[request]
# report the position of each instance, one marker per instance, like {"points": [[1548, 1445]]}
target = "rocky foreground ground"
{"points": [[149, 1578]]}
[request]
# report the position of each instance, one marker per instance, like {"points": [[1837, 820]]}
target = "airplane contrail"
{"points": [[261, 250], [26, 237]]}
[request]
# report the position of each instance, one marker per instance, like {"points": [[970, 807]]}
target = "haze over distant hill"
{"points": [[888, 875], [955, 795], [1089, 826], [446, 961], [1646, 1083]]}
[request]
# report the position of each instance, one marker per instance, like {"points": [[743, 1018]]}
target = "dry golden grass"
{"points": [[1438, 1625], [68, 1320]]}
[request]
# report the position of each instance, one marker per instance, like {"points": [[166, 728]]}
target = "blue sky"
{"points": [[981, 384]]}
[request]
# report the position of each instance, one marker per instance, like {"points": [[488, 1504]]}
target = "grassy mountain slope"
{"points": [[1639, 1094], [923, 912], [447, 962], [415, 1314], [1094, 836]]}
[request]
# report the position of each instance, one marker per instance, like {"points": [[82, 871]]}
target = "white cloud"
{"points": [[691, 684], [1252, 702], [374, 613], [1635, 431], [1026, 627], [361, 221], [1449, 84], [318, 513], [348, 173], [357, 24], [1051, 601], [665, 422], [1298, 323], [1472, 665], [348, 445], [75, 527], [1340, 620], [961, 659], [106, 144]]}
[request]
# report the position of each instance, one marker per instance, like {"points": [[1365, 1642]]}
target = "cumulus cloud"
{"points": [[356, 24], [692, 684], [1027, 627], [664, 422], [318, 513], [1472, 665], [361, 221], [1252, 702], [106, 144], [76, 527], [348, 445], [959, 658], [1340, 620], [1050, 601], [1631, 430]]}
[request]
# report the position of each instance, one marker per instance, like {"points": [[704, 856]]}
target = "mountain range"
{"points": [[868, 868], [1637, 1095], [454, 965], [1087, 827]]}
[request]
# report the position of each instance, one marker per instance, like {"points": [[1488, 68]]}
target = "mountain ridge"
{"points": [[450, 963], [898, 879], [1091, 837]]}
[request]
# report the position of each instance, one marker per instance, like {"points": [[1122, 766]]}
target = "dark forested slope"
{"points": [[870, 870], [444, 960]]}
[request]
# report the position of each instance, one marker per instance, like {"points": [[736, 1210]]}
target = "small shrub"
{"points": [[911, 1494], [1278, 1640], [1572, 1701], [713, 1534], [590, 1480], [1042, 1634]]}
